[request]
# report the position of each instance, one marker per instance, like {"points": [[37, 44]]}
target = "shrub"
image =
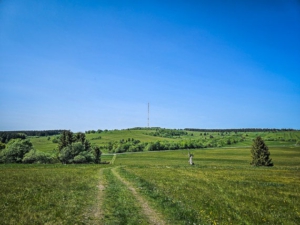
{"points": [[2, 146], [79, 159], [15, 151], [38, 157]]}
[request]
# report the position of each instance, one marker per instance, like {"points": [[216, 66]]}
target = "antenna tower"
{"points": [[148, 113]]}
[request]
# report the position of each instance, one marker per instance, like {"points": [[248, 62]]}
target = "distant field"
{"points": [[43, 144], [221, 188]]}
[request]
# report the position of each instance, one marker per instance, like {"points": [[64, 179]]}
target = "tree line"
{"points": [[133, 145], [167, 133], [241, 130], [6, 136]]}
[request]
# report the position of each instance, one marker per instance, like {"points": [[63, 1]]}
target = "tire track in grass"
{"points": [[119, 205], [151, 214], [96, 214]]}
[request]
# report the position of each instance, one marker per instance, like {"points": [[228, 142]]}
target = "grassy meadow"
{"points": [[221, 188], [46, 194]]}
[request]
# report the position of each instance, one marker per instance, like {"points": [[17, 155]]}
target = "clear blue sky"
{"points": [[84, 65]]}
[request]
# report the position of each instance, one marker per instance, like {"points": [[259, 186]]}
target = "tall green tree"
{"points": [[66, 138], [79, 137], [260, 153]]}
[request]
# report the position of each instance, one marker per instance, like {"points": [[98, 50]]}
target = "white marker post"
{"points": [[191, 159]]}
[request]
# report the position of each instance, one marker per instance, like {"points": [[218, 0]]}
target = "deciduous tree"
{"points": [[15, 151]]}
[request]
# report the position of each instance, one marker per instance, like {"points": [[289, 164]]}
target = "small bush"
{"points": [[2, 146], [38, 157], [15, 151]]}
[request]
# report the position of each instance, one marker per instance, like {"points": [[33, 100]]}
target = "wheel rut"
{"points": [[96, 215], [151, 214]]}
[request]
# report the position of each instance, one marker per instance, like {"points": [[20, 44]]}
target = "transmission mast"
{"points": [[148, 113]]}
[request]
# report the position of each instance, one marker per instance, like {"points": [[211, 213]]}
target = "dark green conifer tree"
{"points": [[97, 154], [66, 138], [260, 153]]}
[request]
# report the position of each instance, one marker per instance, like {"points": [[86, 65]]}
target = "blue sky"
{"points": [[84, 65]]}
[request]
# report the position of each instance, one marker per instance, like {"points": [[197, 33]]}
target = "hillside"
{"points": [[181, 138]]}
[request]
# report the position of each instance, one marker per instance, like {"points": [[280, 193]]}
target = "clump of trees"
{"points": [[75, 148], [260, 153], [22, 151], [167, 133], [127, 145], [72, 148], [6, 136]]}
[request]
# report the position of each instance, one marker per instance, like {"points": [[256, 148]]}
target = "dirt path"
{"points": [[151, 214], [96, 215]]}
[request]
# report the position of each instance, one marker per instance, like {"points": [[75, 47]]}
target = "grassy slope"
{"points": [[117, 135], [45, 145]]}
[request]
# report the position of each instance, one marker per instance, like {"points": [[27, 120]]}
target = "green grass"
{"points": [[221, 195], [46, 194], [119, 206], [43, 144], [282, 156], [222, 188]]}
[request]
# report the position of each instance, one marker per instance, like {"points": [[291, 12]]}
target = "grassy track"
{"points": [[119, 204], [152, 216]]}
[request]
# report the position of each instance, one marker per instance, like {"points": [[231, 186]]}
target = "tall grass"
{"points": [[46, 194]]}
